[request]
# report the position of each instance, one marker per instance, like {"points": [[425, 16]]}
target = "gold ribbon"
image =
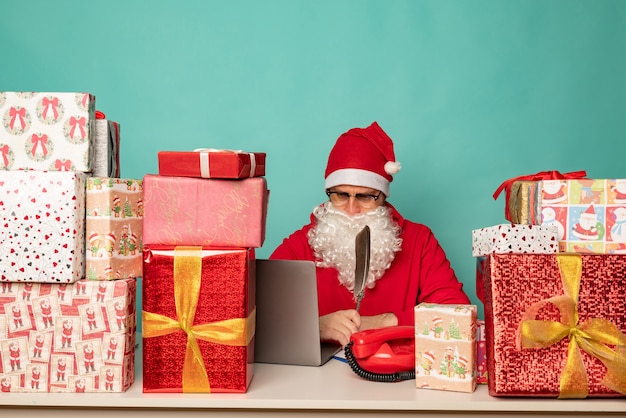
{"points": [[592, 336], [233, 332]]}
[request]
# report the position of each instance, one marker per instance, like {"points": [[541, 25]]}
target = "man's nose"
{"points": [[352, 207]]}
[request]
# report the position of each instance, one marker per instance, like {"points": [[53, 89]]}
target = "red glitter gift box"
{"points": [[198, 319], [555, 325], [212, 163]]}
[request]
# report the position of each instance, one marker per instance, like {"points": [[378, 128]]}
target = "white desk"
{"points": [[276, 390]]}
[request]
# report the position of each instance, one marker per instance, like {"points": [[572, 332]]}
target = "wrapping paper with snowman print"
{"points": [[515, 238], [77, 337], [114, 228], [42, 226], [445, 347], [47, 131], [589, 214]]}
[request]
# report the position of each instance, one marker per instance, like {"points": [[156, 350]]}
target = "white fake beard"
{"points": [[333, 241]]}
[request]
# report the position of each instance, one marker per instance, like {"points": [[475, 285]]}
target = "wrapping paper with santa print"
{"points": [[514, 238], [42, 226], [77, 337], [106, 155], [198, 319], [589, 214], [209, 212], [47, 131], [212, 163], [114, 228], [513, 283], [445, 347]]}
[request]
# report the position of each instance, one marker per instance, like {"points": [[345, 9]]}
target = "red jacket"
{"points": [[420, 272]]}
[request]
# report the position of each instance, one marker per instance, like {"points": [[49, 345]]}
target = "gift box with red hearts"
{"points": [[42, 226], [513, 238], [47, 131]]}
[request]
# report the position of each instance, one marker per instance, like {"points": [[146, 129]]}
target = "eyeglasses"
{"points": [[342, 198]]}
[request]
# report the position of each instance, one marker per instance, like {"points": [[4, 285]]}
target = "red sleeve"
{"points": [[295, 247]]}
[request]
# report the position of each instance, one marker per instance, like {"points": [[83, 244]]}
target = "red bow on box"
{"points": [[543, 175]]}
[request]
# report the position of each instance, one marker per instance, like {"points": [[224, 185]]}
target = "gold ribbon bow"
{"points": [[592, 335], [233, 332]]}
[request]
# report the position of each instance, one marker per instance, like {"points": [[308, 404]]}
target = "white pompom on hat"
{"points": [[362, 157]]}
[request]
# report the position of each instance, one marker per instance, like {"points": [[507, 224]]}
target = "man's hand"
{"points": [[378, 321], [339, 326]]}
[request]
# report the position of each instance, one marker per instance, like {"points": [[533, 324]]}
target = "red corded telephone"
{"points": [[383, 354]]}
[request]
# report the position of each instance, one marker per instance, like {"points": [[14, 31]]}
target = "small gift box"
{"points": [[77, 337], [507, 238], [212, 163], [209, 212], [114, 246], [106, 158], [198, 319], [42, 226], [47, 131], [445, 347], [481, 353], [555, 325]]}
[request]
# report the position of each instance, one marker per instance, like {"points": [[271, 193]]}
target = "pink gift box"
{"points": [[77, 337], [210, 163], [207, 212], [47, 131], [42, 226], [114, 228]]}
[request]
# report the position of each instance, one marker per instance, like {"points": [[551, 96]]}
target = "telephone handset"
{"points": [[383, 354]]}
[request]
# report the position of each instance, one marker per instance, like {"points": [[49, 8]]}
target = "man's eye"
{"points": [[344, 195]]}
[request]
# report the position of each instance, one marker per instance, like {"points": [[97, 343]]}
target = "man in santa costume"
{"points": [[407, 264]]}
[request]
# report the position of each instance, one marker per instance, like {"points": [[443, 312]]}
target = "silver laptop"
{"points": [[287, 319]]}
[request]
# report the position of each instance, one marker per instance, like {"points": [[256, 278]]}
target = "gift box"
{"points": [[77, 337], [481, 353], [114, 222], [513, 238], [212, 163], [445, 347], [42, 226], [106, 158], [588, 214], [207, 212], [47, 131], [198, 319], [555, 325]]}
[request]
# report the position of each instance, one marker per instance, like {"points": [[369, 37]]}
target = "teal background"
{"points": [[472, 92]]}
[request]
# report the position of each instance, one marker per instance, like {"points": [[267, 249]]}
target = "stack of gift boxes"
{"points": [[553, 281], [204, 215], [67, 303]]}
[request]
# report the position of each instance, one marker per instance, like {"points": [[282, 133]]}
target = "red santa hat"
{"points": [[462, 361], [437, 320], [93, 237], [429, 356], [362, 157]]}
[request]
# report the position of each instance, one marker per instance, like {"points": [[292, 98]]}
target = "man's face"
{"points": [[354, 200]]}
